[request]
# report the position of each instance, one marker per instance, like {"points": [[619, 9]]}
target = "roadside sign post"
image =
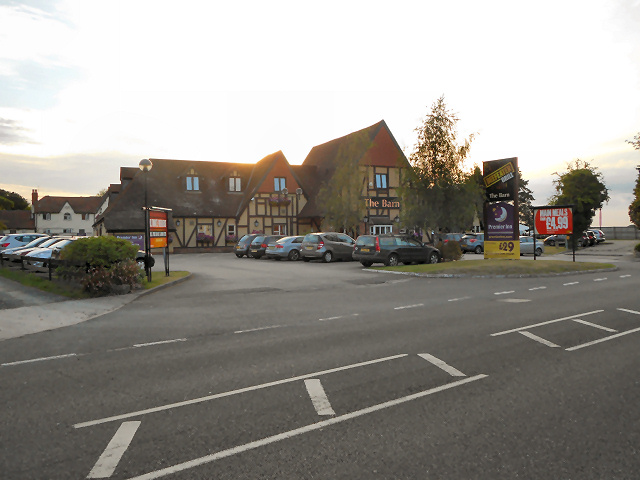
{"points": [[500, 212], [159, 232], [553, 220]]}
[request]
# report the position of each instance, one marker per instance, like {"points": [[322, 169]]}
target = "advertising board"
{"points": [[553, 220], [500, 179], [158, 232]]}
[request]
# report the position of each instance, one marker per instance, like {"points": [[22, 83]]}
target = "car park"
{"points": [[527, 246], [242, 247], [41, 257], [259, 244], [18, 239], [599, 234], [393, 249], [286, 247], [7, 252], [328, 246], [449, 237], [592, 237], [554, 240], [472, 242], [23, 252]]}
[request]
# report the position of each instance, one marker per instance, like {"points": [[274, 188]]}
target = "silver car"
{"points": [[328, 246], [526, 246], [18, 239], [287, 247]]}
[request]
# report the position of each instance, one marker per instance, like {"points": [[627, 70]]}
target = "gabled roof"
{"points": [[17, 219], [49, 204]]}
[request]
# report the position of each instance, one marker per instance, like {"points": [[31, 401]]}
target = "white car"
{"points": [[40, 256], [18, 239], [526, 246]]}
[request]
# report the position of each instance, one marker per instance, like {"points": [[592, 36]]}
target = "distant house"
{"points": [[64, 215], [16, 221], [214, 203]]}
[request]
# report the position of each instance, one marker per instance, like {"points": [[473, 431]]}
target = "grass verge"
{"points": [[495, 267], [42, 283], [158, 278]]}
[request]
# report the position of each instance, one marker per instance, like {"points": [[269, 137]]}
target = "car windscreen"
{"points": [[309, 238], [366, 241], [257, 240]]}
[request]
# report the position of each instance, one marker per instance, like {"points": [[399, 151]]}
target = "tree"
{"points": [[5, 203], [437, 193], [635, 142], [581, 186], [634, 207], [525, 201], [341, 196], [19, 202]]}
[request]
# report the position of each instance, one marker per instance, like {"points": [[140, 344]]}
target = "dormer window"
{"points": [[67, 216], [235, 184], [193, 181], [279, 183]]}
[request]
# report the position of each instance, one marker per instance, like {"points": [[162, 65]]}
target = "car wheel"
{"points": [[294, 255], [239, 255], [434, 258], [327, 257], [478, 250], [392, 260], [538, 252], [257, 257], [366, 264], [140, 262], [249, 255]]}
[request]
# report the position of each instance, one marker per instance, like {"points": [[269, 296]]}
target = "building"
{"points": [[64, 215], [214, 203], [16, 221]]}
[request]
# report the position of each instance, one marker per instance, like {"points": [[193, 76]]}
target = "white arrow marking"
{"points": [[318, 397], [108, 461]]}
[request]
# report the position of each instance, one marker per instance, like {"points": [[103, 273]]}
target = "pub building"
{"points": [[214, 203]]}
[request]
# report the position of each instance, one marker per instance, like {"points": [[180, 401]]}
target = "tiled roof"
{"points": [[17, 219], [49, 204]]}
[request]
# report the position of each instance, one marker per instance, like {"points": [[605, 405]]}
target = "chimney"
{"points": [[34, 197]]}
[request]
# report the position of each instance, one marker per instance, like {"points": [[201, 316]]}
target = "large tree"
{"points": [[341, 197], [525, 201], [18, 202], [581, 186], [634, 207], [438, 195]]}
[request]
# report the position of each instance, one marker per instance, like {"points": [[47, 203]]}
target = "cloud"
{"points": [[11, 133]]}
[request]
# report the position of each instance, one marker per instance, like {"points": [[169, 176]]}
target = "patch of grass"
{"points": [[159, 278], [42, 283], [492, 267]]}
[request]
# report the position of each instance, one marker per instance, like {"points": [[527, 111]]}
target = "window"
{"points": [[235, 184], [279, 229], [193, 181], [46, 216], [67, 230], [85, 216], [67, 216], [279, 183], [381, 229], [381, 180], [231, 230]]}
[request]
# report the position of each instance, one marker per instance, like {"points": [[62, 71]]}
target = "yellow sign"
{"points": [[502, 249], [500, 174]]}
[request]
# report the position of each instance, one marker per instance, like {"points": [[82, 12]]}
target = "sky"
{"points": [[88, 86]]}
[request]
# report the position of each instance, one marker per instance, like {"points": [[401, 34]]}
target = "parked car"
{"points": [[599, 234], [242, 247], [393, 249], [18, 239], [286, 247], [472, 242], [554, 240], [327, 246], [456, 237], [592, 237], [25, 250], [40, 257], [7, 252], [526, 246], [259, 245]]}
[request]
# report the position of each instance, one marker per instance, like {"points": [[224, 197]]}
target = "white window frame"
{"points": [[279, 182], [231, 230], [67, 217], [235, 184], [193, 183], [379, 180], [381, 229], [46, 216]]}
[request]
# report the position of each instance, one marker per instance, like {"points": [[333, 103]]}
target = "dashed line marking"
{"points": [[504, 293], [536, 288], [299, 431], [539, 339], [442, 365], [515, 300], [624, 276], [570, 283], [458, 299], [600, 279], [162, 342], [318, 397], [338, 317], [43, 359], [108, 461], [409, 306], [258, 329]]}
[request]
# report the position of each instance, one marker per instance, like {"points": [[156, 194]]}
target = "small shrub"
{"points": [[98, 251], [637, 247], [100, 281], [450, 250]]}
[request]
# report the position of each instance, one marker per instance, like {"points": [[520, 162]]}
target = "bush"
{"points": [[450, 250], [637, 247], [100, 263]]}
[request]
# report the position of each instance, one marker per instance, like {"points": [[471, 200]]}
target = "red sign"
{"points": [[552, 221], [158, 230]]}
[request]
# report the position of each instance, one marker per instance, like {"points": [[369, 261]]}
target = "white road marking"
{"points": [[108, 461], [545, 323], [338, 317], [458, 299], [570, 283], [611, 337], [515, 300], [504, 293], [539, 339], [537, 288], [409, 306], [600, 279], [162, 342], [624, 276], [233, 392], [442, 365], [43, 359], [258, 329], [318, 397], [584, 322], [299, 431], [628, 311]]}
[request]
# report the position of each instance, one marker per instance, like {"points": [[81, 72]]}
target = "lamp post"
{"points": [[285, 192], [146, 165]]}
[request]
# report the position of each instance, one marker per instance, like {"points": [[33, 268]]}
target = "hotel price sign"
{"points": [[158, 231], [554, 220]]}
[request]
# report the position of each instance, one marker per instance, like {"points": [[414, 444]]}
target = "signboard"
{"points": [[382, 202], [504, 249], [500, 179], [501, 224], [158, 232], [553, 220], [135, 239]]}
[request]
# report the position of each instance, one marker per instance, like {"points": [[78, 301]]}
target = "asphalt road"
{"points": [[262, 369]]}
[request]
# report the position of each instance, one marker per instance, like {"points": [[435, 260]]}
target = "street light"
{"points": [[146, 165]]}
